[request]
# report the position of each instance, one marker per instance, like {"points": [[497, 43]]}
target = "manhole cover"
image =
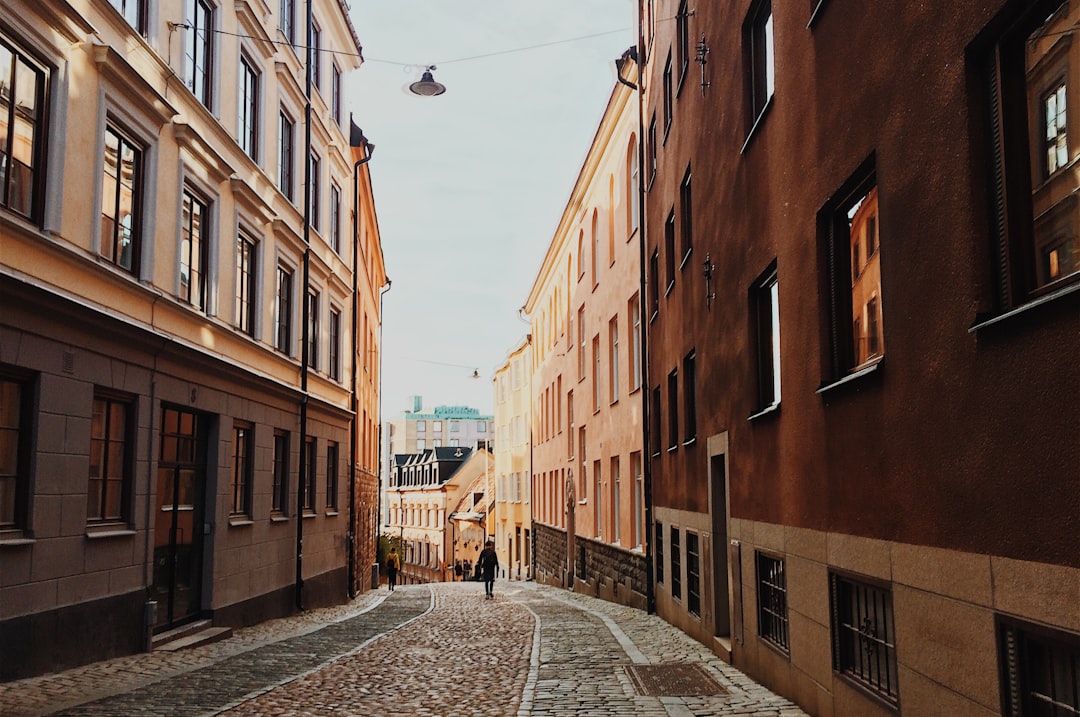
{"points": [[685, 680]]}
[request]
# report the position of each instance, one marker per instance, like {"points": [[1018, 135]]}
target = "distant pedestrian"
{"points": [[393, 564], [488, 562], [457, 571]]}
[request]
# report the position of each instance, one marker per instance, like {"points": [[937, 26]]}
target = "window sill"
{"points": [[760, 120], [770, 410], [690, 441], [686, 258], [670, 286], [652, 318], [1064, 291], [332, 514], [634, 390], [110, 533], [240, 522], [14, 539], [854, 376], [672, 449], [614, 402], [279, 519]]}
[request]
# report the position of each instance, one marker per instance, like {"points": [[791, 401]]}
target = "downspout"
{"points": [[650, 592], [305, 313], [379, 439], [353, 401]]}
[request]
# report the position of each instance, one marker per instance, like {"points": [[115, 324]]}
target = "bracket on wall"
{"points": [[709, 293], [702, 59]]}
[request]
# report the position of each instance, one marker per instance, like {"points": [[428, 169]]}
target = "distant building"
{"points": [[417, 430], [512, 524], [156, 427], [862, 301], [425, 490], [588, 497]]}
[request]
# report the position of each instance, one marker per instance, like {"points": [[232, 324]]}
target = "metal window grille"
{"points": [[1040, 671], [676, 564], [772, 601], [864, 636], [659, 535], [693, 574]]}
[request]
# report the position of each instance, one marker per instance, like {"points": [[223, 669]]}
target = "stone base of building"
{"points": [[609, 572], [72, 635], [323, 590]]}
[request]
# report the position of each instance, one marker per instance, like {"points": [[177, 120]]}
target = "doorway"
{"points": [[178, 518], [720, 547]]}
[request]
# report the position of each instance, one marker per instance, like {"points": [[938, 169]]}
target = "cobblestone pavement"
{"points": [[428, 650]]}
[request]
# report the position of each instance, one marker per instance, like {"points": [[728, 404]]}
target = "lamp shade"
{"points": [[426, 86]]}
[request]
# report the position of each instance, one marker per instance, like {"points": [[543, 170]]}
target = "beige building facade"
{"points": [[166, 457], [512, 523], [584, 306]]}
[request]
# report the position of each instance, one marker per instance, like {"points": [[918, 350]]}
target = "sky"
{"points": [[470, 185]]}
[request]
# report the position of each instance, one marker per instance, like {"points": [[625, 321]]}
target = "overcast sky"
{"points": [[469, 186]]}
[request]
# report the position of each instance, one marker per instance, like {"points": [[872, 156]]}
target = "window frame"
{"points": [[1015, 639], [689, 368], [686, 220], [24, 428], [245, 304], [243, 469], [760, 61], [849, 643], [125, 142], [693, 573], [199, 77], [286, 155], [333, 368], [314, 299], [613, 360], [765, 307], [248, 115], [311, 447], [196, 251], [772, 608], [38, 170], [279, 489], [682, 43], [283, 309], [675, 556], [126, 479]]}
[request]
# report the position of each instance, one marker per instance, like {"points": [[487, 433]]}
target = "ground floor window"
{"points": [[772, 600], [1040, 670], [864, 635]]}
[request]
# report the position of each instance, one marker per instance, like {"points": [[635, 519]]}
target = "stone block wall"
{"points": [[607, 571]]}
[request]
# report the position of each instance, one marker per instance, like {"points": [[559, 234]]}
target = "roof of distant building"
{"points": [[449, 413]]}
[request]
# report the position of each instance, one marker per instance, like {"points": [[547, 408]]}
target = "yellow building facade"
{"points": [[512, 523], [182, 314]]}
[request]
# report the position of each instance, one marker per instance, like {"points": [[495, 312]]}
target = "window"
{"points": [[335, 217], [758, 43], [455, 442], [15, 431], [632, 187], [334, 369], [654, 285], [686, 209], [772, 601], [682, 40], [669, 250], [193, 250], [22, 130], [198, 50], [421, 426], [313, 192], [652, 149], [581, 458], [673, 409], [654, 422], [287, 21], [437, 443], [1040, 670], [596, 372], [110, 460], [133, 11], [314, 55], [855, 299], [598, 499], [481, 426], [248, 122], [581, 254], [421, 444], [1037, 248], [864, 636], [693, 574], [638, 498], [120, 200], [765, 301], [331, 475], [613, 359], [690, 396], [581, 342], [285, 155], [436, 426], [635, 343], [309, 474], [243, 468], [455, 426], [595, 248], [280, 488], [313, 329], [335, 93], [659, 536], [668, 90], [570, 422], [676, 564], [245, 284], [283, 311]]}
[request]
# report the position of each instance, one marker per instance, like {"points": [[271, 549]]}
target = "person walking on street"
{"points": [[393, 564], [489, 565]]}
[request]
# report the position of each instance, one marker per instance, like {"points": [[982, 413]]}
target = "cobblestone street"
{"points": [[438, 649]]}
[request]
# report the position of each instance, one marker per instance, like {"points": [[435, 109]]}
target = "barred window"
{"points": [[659, 539], [676, 564], [864, 636], [772, 600], [1040, 670], [693, 574]]}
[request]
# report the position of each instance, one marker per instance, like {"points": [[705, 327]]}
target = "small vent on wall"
{"points": [[68, 365]]}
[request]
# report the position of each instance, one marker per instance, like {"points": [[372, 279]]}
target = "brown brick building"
{"points": [[862, 307]]}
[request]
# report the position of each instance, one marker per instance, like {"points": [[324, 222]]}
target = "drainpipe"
{"points": [[356, 139], [379, 437], [305, 313]]}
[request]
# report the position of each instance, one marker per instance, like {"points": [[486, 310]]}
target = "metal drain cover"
{"points": [[684, 680]]}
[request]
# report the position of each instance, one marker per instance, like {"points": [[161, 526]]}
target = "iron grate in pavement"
{"points": [[683, 680]]}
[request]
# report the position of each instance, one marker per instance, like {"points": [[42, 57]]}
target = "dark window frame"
{"points": [[686, 216], [334, 348], [110, 399], [134, 12], [693, 574], [853, 638], [332, 467], [287, 20], [675, 551], [1030, 659], [689, 369], [658, 538], [283, 318], [669, 101], [758, 43], [682, 43], [311, 449], [112, 249], [24, 428], [37, 171], [243, 468], [194, 249], [669, 251], [772, 605], [248, 115], [286, 152], [199, 66], [313, 299], [764, 303], [279, 491], [673, 409], [246, 268]]}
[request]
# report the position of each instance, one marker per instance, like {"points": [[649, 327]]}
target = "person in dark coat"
{"points": [[489, 565], [393, 564]]}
